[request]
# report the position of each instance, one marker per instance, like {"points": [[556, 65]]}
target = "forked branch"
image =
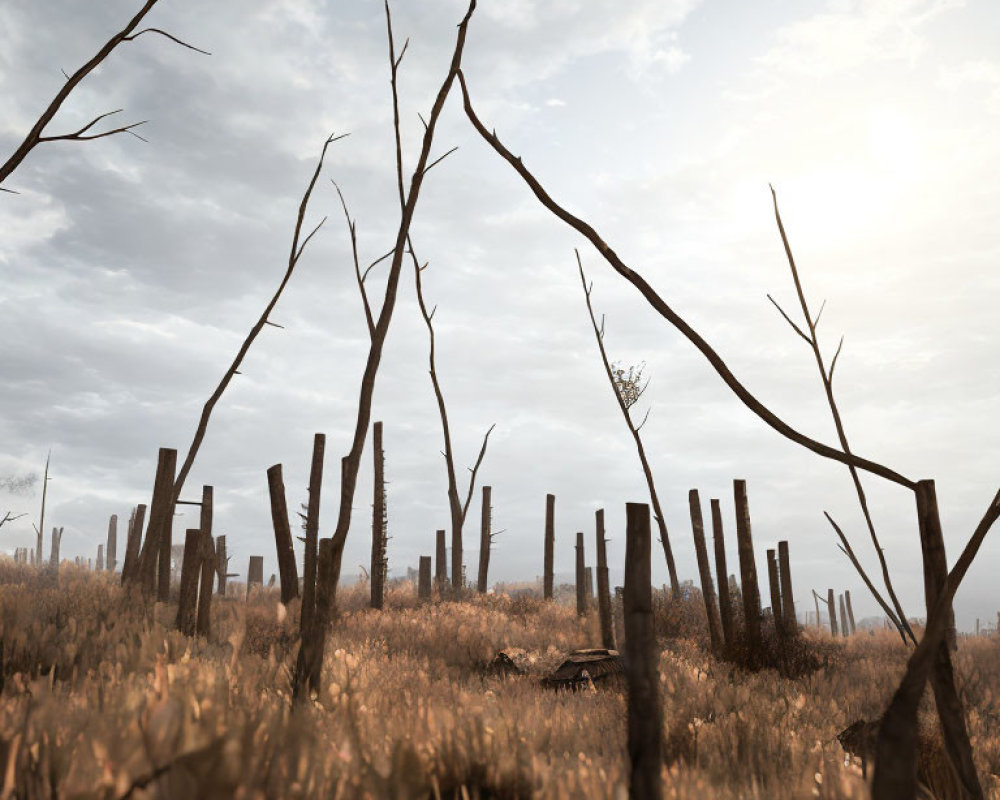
{"points": [[35, 136]]}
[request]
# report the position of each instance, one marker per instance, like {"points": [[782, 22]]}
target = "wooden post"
{"points": [[112, 549], [379, 522], [775, 588], [850, 611], [206, 550], [705, 571], [441, 567], [748, 571], [282, 535], [787, 598], [485, 539], [581, 589], [312, 536], [424, 579], [550, 544], [645, 725], [603, 589], [255, 573], [845, 628], [188, 600], [725, 600], [100, 558], [832, 611], [131, 564]]}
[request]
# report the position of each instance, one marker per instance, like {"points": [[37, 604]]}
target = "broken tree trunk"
{"points": [[485, 540], [581, 589], [725, 599], [282, 535], [645, 725], [845, 628], [312, 536], [424, 578], [775, 589], [134, 542], [832, 611], [850, 611], [787, 602], [441, 557], [100, 558], [255, 574], [550, 544], [603, 588], [377, 565], [112, 548], [206, 548], [190, 575], [705, 572], [748, 573]]}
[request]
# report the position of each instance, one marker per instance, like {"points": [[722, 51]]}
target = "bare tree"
{"points": [[628, 388], [35, 135], [826, 375], [351, 463]]}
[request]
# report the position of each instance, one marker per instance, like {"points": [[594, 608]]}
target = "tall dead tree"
{"points": [[350, 464], [628, 388], [550, 546], [645, 722], [705, 572], [603, 586], [725, 599], [379, 522]]}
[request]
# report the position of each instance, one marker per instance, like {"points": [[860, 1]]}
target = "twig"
{"points": [[352, 230], [169, 36]]}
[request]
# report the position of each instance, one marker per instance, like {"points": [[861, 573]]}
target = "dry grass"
{"points": [[96, 696]]}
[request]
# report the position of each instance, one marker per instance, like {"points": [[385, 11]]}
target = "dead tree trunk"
{"points": [[845, 628], [603, 588], [550, 545], [850, 611], [645, 724], [41, 520], [312, 536], [588, 584], [287, 568], [255, 574], [134, 542], [748, 572], [112, 548], [787, 598], [190, 575], [832, 611], [54, 553], [581, 590], [206, 549], [221, 563], [705, 572], [819, 624], [379, 531], [441, 557], [100, 558], [485, 540], [949, 704], [775, 589], [424, 578], [160, 520], [721, 573]]}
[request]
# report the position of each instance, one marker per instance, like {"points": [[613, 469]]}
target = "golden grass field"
{"points": [[97, 698]]}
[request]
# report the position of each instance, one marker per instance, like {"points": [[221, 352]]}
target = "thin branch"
{"points": [[849, 552], [668, 313], [374, 264], [475, 469], [820, 314], [788, 319], [77, 136], [352, 230], [827, 378], [439, 160], [8, 518], [646, 417], [293, 258], [172, 38], [647, 472]]}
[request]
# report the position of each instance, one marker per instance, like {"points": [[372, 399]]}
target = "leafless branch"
{"points": [[788, 319], [80, 137], [9, 518], [820, 314], [293, 258], [623, 406], [374, 264], [903, 625], [846, 548], [169, 36], [439, 160], [352, 230], [668, 313], [34, 136], [475, 469]]}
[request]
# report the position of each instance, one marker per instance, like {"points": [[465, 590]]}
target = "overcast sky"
{"points": [[131, 271]]}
